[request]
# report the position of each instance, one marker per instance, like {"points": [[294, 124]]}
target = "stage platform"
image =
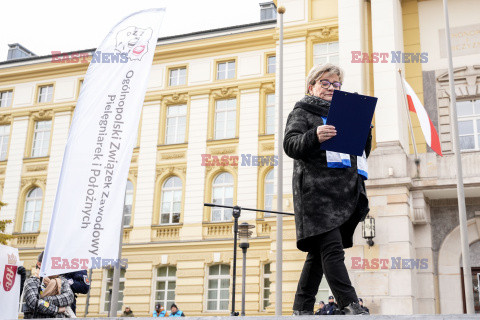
{"points": [[376, 317]]}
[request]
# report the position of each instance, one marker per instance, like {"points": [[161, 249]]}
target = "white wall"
{"points": [[431, 18]]}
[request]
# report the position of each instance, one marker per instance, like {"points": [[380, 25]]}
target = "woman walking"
{"points": [[328, 192]]}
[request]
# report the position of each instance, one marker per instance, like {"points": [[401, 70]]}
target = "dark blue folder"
{"points": [[351, 114]]}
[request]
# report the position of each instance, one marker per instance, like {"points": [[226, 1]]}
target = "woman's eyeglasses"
{"points": [[325, 84]]}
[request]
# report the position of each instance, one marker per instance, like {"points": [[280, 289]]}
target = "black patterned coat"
{"points": [[323, 198]]}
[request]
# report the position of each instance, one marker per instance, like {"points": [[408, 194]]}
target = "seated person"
{"points": [[47, 306]]}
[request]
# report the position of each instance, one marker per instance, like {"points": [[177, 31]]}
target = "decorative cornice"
{"points": [[173, 155], [268, 86], [169, 170], [327, 33], [45, 114], [221, 168], [421, 208], [175, 98], [37, 168], [5, 118], [225, 93], [268, 146], [228, 150], [33, 181]]}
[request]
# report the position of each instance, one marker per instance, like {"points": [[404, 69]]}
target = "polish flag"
{"points": [[414, 105]]}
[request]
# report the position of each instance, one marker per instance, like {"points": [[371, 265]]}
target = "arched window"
{"points": [[32, 210], [222, 193], [127, 204], [268, 192], [171, 201]]}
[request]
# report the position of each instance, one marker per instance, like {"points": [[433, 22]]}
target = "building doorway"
{"points": [[476, 298]]}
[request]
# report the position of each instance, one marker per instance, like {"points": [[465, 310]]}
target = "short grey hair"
{"points": [[317, 72]]}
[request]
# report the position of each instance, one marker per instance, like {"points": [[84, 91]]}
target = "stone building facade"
{"points": [[178, 250]]}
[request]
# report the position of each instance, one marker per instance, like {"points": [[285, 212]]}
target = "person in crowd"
{"points": [[329, 194], [360, 302], [159, 311], [79, 283], [23, 274], [46, 306], [174, 312], [331, 308], [127, 312], [321, 309]]}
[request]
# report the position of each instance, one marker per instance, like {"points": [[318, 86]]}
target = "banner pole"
{"points": [[279, 238], [87, 303], [116, 275], [462, 211]]}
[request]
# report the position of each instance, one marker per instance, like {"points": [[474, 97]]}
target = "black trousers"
{"points": [[328, 261]]}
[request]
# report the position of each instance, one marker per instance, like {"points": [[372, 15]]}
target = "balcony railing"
{"points": [[166, 232], [218, 230], [264, 228], [25, 240]]}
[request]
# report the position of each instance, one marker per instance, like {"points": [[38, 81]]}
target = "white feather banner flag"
{"points": [[88, 209]]}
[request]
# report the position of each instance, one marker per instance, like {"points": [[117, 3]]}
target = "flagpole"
{"points": [[279, 238], [467, 273], [417, 160]]}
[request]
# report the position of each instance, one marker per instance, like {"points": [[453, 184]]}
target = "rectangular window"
{"points": [[4, 135], [325, 52], [41, 138], [225, 118], [218, 287], [266, 285], [108, 289], [270, 114], [45, 94], [271, 61], [226, 70], [268, 192], [127, 204], [267, 11], [468, 114], [176, 124], [178, 76], [165, 286], [6, 98]]}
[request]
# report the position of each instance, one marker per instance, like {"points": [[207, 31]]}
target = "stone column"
{"points": [[351, 28], [248, 145], [387, 36], [61, 125], [13, 171], [142, 217], [195, 186], [425, 279]]}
